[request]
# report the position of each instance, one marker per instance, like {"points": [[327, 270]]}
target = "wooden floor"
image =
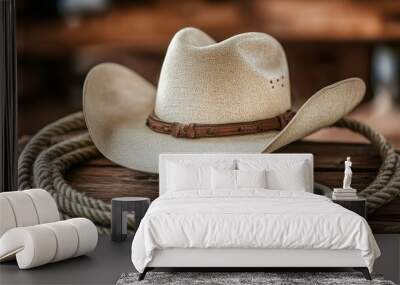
{"points": [[102, 266], [110, 259]]}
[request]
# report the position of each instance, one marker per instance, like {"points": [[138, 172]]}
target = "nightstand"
{"points": [[357, 205], [119, 208]]}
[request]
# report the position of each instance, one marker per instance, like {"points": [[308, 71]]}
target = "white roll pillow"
{"points": [[40, 244], [31, 230], [26, 208], [7, 218], [45, 206]]}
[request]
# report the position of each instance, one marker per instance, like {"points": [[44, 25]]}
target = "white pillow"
{"points": [[223, 179], [187, 175], [251, 178], [236, 179], [293, 179], [281, 174]]}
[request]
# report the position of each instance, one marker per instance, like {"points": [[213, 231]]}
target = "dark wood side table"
{"points": [[120, 207], [357, 205]]}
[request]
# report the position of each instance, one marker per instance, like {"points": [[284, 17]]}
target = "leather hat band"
{"points": [[192, 131]]}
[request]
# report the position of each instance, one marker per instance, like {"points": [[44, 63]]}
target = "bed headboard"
{"points": [[210, 157]]}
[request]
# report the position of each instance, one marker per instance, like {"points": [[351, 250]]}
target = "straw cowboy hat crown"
{"points": [[231, 96]]}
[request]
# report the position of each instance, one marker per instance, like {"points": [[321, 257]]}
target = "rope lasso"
{"points": [[44, 162], [386, 185]]}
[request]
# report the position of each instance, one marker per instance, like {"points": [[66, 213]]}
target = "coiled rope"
{"points": [[44, 162], [386, 185]]}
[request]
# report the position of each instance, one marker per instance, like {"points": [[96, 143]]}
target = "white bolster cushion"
{"points": [[7, 219], [26, 208], [87, 235], [46, 207], [67, 240], [40, 244], [24, 211]]}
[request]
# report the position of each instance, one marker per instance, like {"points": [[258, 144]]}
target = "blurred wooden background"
{"points": [[325, 41]]}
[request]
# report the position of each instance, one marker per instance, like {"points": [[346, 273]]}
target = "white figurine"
{"points": [[347, 174]]}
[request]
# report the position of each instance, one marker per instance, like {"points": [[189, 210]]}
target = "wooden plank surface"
{"points": [[103, 179]]}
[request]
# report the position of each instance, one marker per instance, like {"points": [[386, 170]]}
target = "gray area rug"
{"points": [[269, 278]]}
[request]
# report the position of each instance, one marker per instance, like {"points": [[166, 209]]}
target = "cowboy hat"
{"points": [[230, 96]]}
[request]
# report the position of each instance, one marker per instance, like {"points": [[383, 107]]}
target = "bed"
{"points": [[247, 211]]}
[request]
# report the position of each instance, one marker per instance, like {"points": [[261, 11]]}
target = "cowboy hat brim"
{"points": [[117, 101]]}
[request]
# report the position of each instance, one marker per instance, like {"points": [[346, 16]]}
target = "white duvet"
{"points": [[250, 219]]}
